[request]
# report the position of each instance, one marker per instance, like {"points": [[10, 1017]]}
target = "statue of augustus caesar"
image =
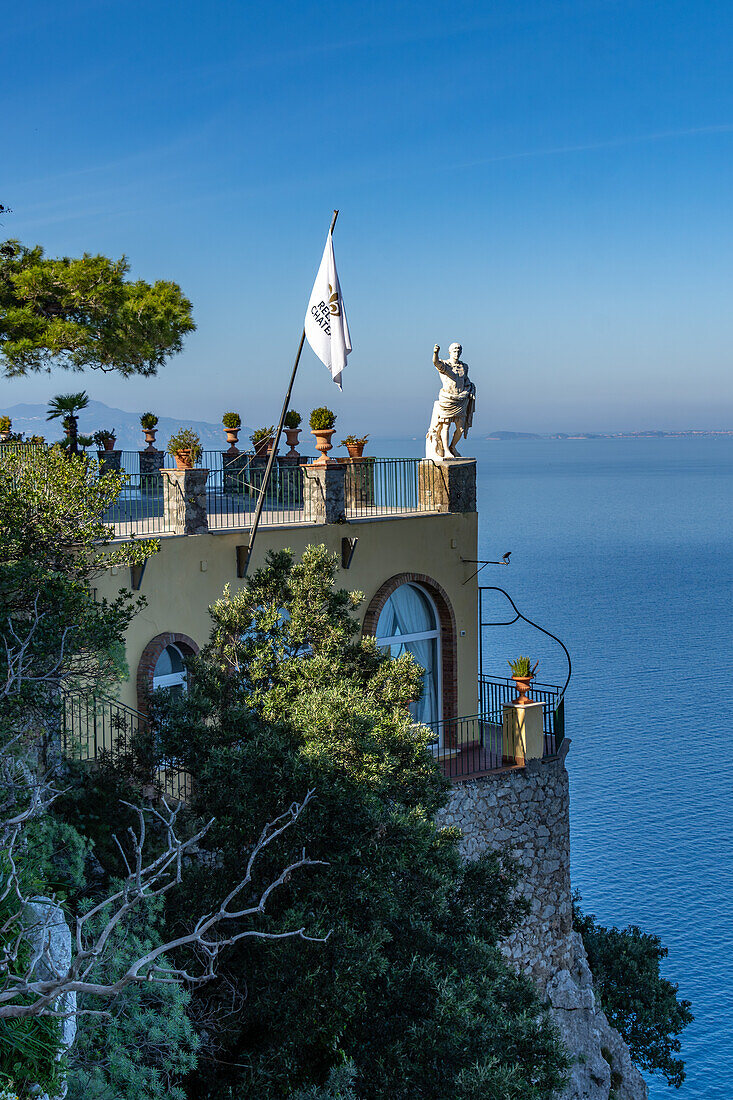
{"points": [[455, 405]]}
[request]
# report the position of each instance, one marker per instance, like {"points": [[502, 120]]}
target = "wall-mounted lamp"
{"points": [[348, 546]]}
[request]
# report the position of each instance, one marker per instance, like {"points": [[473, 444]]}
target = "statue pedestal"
{"points": [[447, 486]]}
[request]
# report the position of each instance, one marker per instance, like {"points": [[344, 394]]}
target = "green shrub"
{"points": [[322, 418], [104, 435], [148, 421], [5, 423], [231, 420], [293, 419], [263, 433], [521, 666], [185, 439], [641, 1004], [354, 440]]}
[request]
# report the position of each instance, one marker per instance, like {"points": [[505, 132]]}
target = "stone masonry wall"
{"points": [[527, 810]]}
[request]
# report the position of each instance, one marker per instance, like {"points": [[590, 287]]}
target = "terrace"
{"points": [[157, 501]]}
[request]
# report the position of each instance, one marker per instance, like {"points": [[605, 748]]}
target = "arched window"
{"points": [[170, 671], [409, 623]]}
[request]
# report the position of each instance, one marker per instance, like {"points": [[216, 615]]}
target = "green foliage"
{"points": [[322, 418], [148, 420], [52, 545], [410, 984], [293, 419], [641, 1004], [145, 1043], [81, 313], [104, 435], [5, 423], [231, 420], [185, 440], [339, 1086], [521, 666], [354, 440], [64, 405], [29, 1047], [263, 433]]}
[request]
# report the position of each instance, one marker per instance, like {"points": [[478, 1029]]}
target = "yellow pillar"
{"points": [[522, 732]]}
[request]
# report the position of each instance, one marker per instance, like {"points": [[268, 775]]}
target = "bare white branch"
{"points": [[30, 994]]}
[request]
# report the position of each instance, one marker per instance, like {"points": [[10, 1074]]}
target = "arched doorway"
{"points": [[408, 623]]}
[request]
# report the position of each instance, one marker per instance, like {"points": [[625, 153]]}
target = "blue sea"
{"points": [[624, 548]]}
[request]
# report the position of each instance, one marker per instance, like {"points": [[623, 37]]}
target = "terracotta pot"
{"points": [[184, 460], [109, 444], [323, 444], [232, 435], [356, 450], [291, 437], [262, 446], [523, 685], [150, 434]]}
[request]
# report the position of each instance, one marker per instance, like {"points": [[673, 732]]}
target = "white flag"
{"points": [[326, 327]]}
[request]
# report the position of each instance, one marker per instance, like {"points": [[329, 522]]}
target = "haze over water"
{"points": [[624, 548]]}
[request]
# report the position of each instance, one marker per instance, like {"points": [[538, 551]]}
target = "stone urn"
{"points": [[291, 438], [184, 459], [523, 685], [262, 446], [150, 434], [232, 435], [323, 444]]}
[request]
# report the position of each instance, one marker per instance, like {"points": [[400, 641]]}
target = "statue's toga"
{"points": [[455, 405]]}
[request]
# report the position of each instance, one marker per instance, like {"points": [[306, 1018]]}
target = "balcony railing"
{"points": [[95, 728], [475, 745], [373, 487]]}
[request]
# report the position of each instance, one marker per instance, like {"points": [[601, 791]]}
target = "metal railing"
{"points": [[373, 487], [475, 745], [95, 728], [384, 486], [471, 746], [233, 489], [494, 692]]}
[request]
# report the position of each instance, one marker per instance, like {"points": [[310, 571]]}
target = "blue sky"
{"points": [[547, 182]]}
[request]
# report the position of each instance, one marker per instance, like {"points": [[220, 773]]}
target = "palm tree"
{"points": [[65, 406]]}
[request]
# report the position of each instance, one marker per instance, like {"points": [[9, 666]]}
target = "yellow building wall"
{"points": [[191, 571]]}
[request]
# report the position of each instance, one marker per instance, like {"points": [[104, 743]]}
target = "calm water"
{"points": [[624, 548]]}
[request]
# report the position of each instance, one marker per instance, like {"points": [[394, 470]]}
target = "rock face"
{"points": [[527, 810], [50, 938]]}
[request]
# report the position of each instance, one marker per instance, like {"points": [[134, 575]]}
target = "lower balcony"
{"points": [[478, 744]]}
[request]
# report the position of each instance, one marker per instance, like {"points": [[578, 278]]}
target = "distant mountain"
{"points": [[31, 420], [514, 435]]}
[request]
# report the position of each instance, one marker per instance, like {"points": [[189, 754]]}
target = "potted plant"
{"points": [[522, 674], [292, 431], [232, 423], [5, 426], [105, 439], [355, 445], [148, 422], [185, 446], [262, 440], [65, 406], [322, 422]]}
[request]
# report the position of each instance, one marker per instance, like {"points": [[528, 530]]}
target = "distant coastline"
{"points": [[508, 436]]}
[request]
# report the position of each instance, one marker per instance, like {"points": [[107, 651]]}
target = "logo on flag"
{"points": [[326, 327]]}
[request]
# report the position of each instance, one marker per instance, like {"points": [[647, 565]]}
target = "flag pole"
{"points": [[273, 451]]}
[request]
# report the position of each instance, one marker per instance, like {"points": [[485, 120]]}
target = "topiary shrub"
{"points": [[322, 419]]}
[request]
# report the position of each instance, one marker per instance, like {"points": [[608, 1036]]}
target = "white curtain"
{"points": [[408, 612]]}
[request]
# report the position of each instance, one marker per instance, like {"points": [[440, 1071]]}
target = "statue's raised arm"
{"points": [[455, 405], [438, 363]]}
